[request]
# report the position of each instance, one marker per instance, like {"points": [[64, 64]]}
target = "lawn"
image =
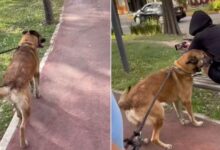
{"points": [[145, 56], [16, 16]]}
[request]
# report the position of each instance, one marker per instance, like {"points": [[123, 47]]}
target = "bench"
{"points": [[204, 82]]}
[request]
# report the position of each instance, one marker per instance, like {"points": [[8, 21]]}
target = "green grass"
{"points": [[149, 56], [16, 16], [156, 37]]}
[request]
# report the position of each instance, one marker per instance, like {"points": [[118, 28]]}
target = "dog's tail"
{"points": [[123, 102], [4, 91]]}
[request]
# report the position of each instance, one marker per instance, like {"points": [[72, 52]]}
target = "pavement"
{"points": [[73, 111], [185, 137]]}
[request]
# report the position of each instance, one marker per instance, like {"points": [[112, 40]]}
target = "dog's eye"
{"points": [[192, 60]]}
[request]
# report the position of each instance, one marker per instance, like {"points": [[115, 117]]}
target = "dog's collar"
{"points": [[178, 67], [181, 71], [28, 44]]}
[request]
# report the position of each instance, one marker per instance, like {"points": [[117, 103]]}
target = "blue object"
{"points": [[117, 124]]}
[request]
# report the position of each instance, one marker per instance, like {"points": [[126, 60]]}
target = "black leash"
{"points": [[8, 50], [136, 140]]}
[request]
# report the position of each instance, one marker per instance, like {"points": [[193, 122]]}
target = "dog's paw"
{"points": [[197, 123], [145, 140], [168, 146], [184, 121], [24, 145], [37, 95]]}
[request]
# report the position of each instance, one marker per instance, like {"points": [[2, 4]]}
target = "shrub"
{"points": [[148, 27], [215, 5]]}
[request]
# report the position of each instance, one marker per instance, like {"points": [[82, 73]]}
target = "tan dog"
{"points": [[178, 87], [16, 82]]}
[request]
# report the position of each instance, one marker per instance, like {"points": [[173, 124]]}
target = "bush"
{"points": [[215, 5], [148, 27]]}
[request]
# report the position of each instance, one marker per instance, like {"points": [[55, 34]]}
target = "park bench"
{"points": [[204, 82]]}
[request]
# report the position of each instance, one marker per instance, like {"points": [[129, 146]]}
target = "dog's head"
{"points": [[192, 61], [32, 38]]}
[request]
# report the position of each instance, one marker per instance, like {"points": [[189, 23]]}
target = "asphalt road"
{"points": [[184, 23]]}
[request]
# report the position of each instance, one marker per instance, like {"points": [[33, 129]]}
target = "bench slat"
{"points": [[205, 83]]}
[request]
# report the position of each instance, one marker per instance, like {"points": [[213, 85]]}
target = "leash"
{"points": [[8, 50], [136, 140]]}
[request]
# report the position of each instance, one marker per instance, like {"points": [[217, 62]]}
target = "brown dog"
{"points": [[178, 87], [19, 74]]}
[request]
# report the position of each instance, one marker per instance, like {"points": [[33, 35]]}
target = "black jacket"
{"points": [[207, 38], [207, 35]]}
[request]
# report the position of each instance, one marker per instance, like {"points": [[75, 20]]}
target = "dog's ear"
{"points": [[35, 33], [192, 60], [24, 32], [40, 42], [43, 40], [128, 89]]}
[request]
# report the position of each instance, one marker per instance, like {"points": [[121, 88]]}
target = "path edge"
{"points": [[14, 122]]}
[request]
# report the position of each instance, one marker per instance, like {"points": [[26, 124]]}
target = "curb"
{"points": [[117, 94], [14, 122]]}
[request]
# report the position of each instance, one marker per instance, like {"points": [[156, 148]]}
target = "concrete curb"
{"points": [[198, 115], [14, 122]]}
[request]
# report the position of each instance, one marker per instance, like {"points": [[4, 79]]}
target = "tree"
{"points": [[169, 18], [48, 11]]}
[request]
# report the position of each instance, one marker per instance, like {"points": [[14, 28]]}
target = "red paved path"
{"points": [[181, 137], [73, 113]]}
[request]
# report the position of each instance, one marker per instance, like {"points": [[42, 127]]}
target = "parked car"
{"points": [[155, 10]]}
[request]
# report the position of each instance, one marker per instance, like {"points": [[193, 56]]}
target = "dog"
{"points": [[21, 72], [177, 88]]}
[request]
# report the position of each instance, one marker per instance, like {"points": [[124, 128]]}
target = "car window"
{"points": [[148, 7], [154, 6]]}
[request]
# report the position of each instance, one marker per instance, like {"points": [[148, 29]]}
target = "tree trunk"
{"points": [[169, 18], [48, 11]]}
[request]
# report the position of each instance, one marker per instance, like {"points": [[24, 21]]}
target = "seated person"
{"points": [[207, 38]]}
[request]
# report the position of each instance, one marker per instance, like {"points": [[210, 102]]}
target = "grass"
{"points": [[16, 16], [156, 37], [149, 56]]}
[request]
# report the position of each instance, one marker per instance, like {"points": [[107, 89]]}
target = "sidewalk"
{"points": [[73, 112], [181, 137]]}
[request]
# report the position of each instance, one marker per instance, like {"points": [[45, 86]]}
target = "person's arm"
{"points": [[196, 44]]}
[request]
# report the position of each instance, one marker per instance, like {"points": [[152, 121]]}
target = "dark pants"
{"points": [[214, 72]]}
